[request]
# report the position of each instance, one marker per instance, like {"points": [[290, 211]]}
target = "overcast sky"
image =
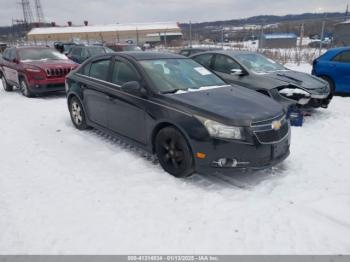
{"points": [[124, 11]]}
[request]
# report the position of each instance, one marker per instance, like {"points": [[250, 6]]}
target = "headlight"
{"points": [[33, 70], [219, 130]]}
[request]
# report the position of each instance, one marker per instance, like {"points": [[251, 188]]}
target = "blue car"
{"points": [[334, 67]]}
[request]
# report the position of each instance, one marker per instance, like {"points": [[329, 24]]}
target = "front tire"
{"points": [[6, 86], [77, 114], [24, 88], [174, 153]]}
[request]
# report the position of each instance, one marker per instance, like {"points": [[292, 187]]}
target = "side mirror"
{"points": [[237, 72], [135, 88]]}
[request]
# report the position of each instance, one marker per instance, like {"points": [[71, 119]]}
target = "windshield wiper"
{"points": [[173, 91]]}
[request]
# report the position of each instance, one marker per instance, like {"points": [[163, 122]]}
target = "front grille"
{"points": [[58, 71], [272, 136], [265, 132]]}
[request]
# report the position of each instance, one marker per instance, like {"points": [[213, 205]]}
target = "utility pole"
{"points": [[190, 34], [222, 37], [261, 35], [322, 36], [302, 29], [347, 11]]}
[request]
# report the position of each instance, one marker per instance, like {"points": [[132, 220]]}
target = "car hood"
{"points": [[51, 63], [306, 81], [233, 105]]}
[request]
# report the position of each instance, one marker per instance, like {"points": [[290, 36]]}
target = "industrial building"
{"points": [[342, 34], [115, 33], [286, 40]]}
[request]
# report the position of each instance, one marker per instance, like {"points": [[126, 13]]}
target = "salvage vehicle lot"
{"points": [[69, 192]]}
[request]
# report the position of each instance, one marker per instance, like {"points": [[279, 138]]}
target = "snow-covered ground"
{"points": [[63, 191]]}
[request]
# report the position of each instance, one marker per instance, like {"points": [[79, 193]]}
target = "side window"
{"points": [[86, 70], [6, 54], [76, 51], [99, 69], [84, 53], [343, 57], [123, 73], [225, 64], [204, 60], [13, 54]]}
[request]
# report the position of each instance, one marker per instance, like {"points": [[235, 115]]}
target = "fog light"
{"points": [[222, 162], [226, 162]]}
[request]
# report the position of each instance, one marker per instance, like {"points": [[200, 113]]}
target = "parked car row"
{"points": [[214, 112]]}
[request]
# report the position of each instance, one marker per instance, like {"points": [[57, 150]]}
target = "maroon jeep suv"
{"points": [[34, 70]]}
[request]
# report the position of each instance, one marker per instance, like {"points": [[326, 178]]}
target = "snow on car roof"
{"points": [[104, 28]]}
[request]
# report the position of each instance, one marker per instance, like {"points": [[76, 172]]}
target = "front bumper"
{"points": [[248, 156], [47, 86]]}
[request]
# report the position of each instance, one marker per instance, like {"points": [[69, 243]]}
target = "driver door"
{"points": [[126, 111]]}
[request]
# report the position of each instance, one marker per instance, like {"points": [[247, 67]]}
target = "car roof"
{"points": [[202, 49], [339, 49], [151, 55], [33, 47], [225, 52]]}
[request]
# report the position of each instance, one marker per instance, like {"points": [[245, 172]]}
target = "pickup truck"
{"points": [[34, 70]]}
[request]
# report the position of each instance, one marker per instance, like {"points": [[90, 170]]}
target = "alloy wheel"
{"points": [[76, 112]]}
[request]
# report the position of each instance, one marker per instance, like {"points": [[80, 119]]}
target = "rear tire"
{"points": [[24, 88], [331, 86], [6, 86], [77, 114], [174, 153]]}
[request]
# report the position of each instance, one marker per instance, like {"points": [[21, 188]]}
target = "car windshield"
{"points": [[259, 63], [97, 50], [172, 75], [40, 54]]}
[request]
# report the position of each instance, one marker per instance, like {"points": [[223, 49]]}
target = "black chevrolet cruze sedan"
{"points": [[172, 106]]}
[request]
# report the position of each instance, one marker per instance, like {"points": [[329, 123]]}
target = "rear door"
{"points": [[126, 111], [95, 88], [340, 67]]}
